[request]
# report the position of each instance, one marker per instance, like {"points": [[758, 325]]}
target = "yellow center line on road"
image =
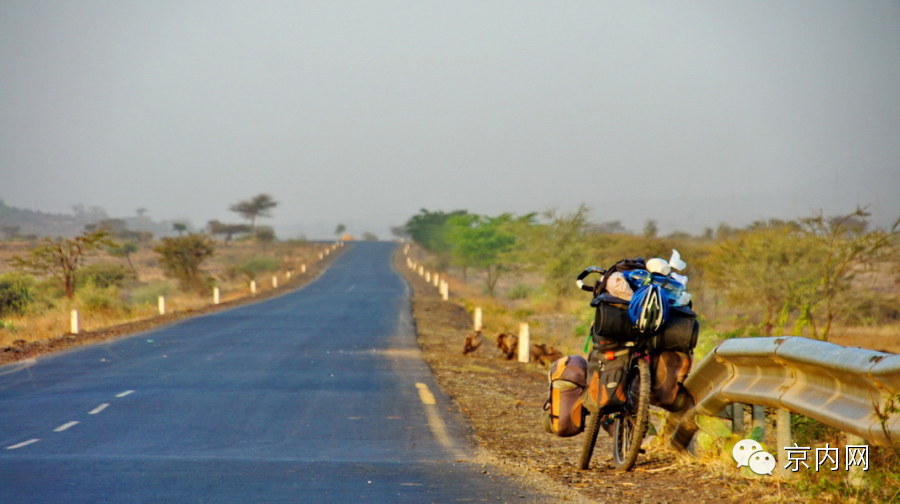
{"points": [[436, 423], [425, 394]]}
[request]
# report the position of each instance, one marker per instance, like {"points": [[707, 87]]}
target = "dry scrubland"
{"points": [[134, 297], [502, 398]]}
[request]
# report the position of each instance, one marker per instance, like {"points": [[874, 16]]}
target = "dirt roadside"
{"points": [[62, 342], [502, 400]]}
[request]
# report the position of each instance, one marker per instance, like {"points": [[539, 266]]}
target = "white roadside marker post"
{"points": [[73, 322], [161, 303], [216, 298], [478, 319], [524, 343]]}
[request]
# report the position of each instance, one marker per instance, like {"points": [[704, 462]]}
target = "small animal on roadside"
{"points": [[544, 354], [473, 341], [508, 345]]}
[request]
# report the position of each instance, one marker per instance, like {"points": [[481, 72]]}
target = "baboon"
{"points": [[508, 345], [473, 341], [544, 354]]}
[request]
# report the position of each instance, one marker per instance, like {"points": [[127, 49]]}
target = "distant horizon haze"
{"points": [[362, 113]]}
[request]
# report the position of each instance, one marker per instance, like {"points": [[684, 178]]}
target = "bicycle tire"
{"points": [[632, 423], [590, 440]]}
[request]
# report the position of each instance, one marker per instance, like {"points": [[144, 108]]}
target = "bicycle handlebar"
{"points": [[587, 271]]}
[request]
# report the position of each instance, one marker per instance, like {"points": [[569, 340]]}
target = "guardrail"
{"points": [[846, 388]]}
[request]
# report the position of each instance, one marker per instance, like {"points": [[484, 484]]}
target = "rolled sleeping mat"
{"points": [[680, 333]]}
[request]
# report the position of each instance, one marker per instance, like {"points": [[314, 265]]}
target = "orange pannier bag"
{"points": [[564, 410]]}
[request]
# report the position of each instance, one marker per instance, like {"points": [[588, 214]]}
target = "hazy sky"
{"points": [[690, 113]]}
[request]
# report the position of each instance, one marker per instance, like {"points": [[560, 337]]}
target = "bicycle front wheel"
{"points": [[632, 422], [590, 440]]}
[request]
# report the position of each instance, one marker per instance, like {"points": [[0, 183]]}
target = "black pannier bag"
{"points": [[606, 383]]}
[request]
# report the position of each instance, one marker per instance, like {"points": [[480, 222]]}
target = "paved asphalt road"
{"points": [[319, 395]]}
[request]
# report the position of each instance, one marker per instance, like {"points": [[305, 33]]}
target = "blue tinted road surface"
{"points": [[319, 395]]}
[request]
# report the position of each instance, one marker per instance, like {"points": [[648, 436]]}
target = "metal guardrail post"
{"points": [[782, 440], [737, 418], [759, 419]]}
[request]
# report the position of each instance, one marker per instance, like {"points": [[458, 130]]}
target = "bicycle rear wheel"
{"points": [[632, 422]]}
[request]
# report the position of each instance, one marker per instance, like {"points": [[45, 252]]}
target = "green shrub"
{"points": [[16, 294], [262, 264], [101, 299], [524, 314], [181, 258], [520, 291], [235, 272], [105, 274], [149, 293]]}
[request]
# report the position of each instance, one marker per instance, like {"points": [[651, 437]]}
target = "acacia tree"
{"points": [[229, 230], [182, 256], [769, 265], [847, 249], [61, 258], [260, 205], [429, 230], [481, 242], [125, 250], [264, 235], [558, 249]]}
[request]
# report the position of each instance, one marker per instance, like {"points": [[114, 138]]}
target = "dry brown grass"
{"points": [[881, 338], [44, 324]]}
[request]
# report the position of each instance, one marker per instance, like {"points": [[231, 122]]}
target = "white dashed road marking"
{"points": [[24, 443], [123, 394], [98, 409], [65, 426]]}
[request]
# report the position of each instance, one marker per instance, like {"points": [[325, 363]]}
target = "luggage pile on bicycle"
{"points": [[638, 304]]}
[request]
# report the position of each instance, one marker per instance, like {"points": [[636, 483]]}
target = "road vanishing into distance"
{"points": [[320, 395]]}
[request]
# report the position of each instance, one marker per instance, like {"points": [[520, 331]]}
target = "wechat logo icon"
{"points": [[748, 452]]}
